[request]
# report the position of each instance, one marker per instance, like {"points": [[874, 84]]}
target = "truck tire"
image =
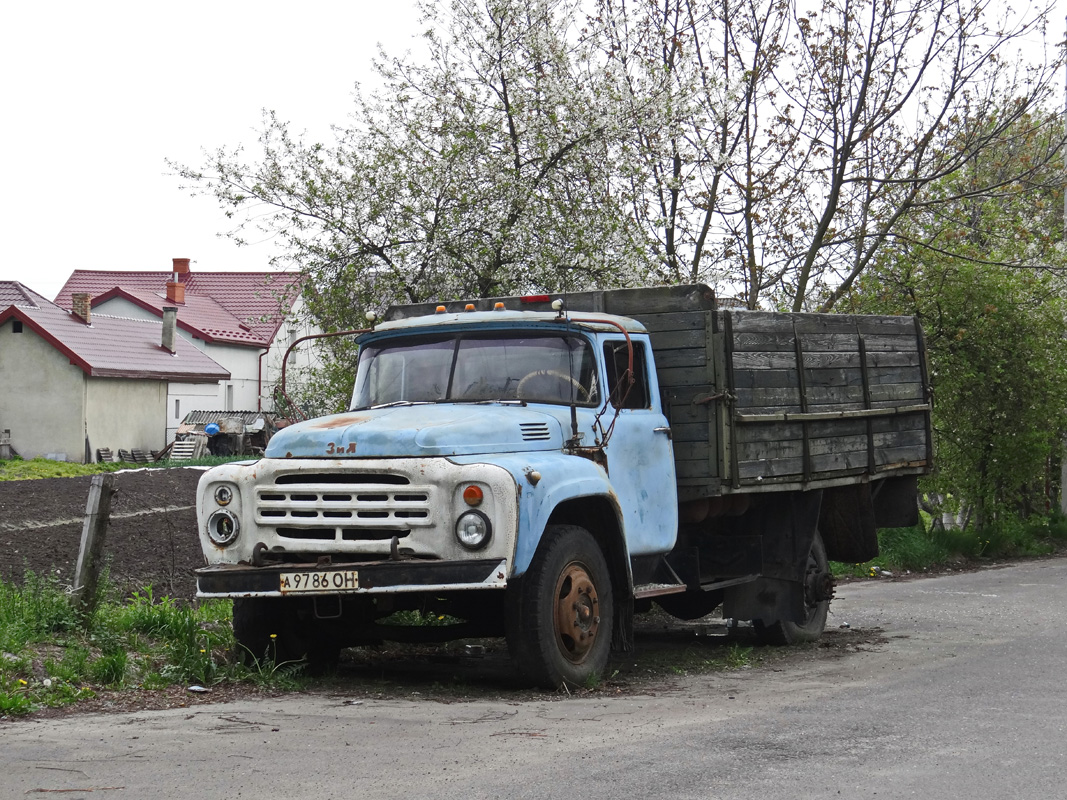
{"points": [[818, 589], [561, 613]]}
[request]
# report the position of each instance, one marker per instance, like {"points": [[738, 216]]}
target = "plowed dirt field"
{"points": [[151, 539]]}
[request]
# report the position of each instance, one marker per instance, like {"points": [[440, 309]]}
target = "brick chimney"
{"points": [[170, 323], [176, 286], [82, 306]]}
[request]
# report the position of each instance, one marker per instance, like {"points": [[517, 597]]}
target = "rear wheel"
{"points": [[818, 590], [561, 613]]}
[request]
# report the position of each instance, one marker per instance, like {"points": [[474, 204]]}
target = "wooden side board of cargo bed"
{"points": [[762, 401]]}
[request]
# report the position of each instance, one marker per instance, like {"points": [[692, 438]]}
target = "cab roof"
{"points": [[606, 323]]}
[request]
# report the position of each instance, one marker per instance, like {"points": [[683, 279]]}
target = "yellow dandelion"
{"points": [[274, 636], [23, 682]]}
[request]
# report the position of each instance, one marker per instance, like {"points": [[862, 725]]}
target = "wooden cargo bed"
{"points": [[762, 401]]}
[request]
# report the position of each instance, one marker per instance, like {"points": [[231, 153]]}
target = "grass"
{"points": [[51, 657], [923, 548], [18, 469]]}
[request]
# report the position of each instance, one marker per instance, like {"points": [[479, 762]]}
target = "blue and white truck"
{"points": [[543, 468]]}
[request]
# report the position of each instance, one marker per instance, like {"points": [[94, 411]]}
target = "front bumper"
{"points": [[379, 577]]}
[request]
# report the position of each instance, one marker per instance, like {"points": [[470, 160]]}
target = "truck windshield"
{"points": [[549, 368]]}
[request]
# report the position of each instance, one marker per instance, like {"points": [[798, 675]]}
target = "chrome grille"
{"points": [[336, 506]]}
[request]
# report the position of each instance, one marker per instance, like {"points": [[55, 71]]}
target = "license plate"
{"points": [[321, 582]]}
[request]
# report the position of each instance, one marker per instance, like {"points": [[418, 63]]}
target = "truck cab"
{"points": [[471, 437]]}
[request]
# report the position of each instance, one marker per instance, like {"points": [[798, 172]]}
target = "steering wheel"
{"points": [[522, 390]]}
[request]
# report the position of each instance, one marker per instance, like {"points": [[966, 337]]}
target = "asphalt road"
{"points": [[966, 698]]}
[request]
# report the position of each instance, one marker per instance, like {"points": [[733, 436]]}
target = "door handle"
{"points": [[665, 430]]}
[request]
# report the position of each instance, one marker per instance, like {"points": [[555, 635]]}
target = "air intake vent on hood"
{"points": [[535, 431]]}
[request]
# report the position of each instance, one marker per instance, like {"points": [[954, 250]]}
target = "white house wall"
{"points": [[123, 414], [241, 392], [304, 357], [42, 396], [185, 397]]}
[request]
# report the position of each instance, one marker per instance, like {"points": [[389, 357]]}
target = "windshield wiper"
{"points": [[396, 403], [502, 401]]}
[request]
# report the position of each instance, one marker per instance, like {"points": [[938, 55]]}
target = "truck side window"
{"points": [[616, 359]]}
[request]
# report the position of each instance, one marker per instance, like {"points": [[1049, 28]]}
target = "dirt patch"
{"points": [[151, 538]]}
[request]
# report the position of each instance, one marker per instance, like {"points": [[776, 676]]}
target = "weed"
{"points": [[73, 667], [592, 681], [419, 619], [15, 700], [19, 469], [738, 657], [110, 668]]}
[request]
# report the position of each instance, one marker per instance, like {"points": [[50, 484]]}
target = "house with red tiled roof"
{"points": [[243, 320], [73, 381]]}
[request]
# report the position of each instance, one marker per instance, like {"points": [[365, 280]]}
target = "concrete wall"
{"points": [[42, 396], [185, 397], [241, 392], [124, 414]]}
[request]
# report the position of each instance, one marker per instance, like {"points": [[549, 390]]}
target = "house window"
{"points": [[229, 397], [177, 408], [16, 326]]}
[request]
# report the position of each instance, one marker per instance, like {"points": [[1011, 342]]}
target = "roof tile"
{"points": [[110, 347], [236, 307]]}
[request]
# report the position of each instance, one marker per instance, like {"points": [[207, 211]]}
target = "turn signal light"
{"points": [[473, 496]]}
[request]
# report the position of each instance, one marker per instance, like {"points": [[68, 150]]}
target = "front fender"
{"points": [[562, 478]]}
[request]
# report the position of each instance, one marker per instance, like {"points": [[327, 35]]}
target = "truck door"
{"points": [[639, 454]]}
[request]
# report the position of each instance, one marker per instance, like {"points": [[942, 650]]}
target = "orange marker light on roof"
{"points": [[469, 307], [473, 496], [440, 310], [498, 307]]}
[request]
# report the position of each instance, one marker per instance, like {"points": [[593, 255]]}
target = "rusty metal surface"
{"points": [[577, 614]]}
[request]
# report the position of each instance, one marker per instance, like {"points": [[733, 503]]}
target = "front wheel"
{"points": [[560, 615], [818, 590]]}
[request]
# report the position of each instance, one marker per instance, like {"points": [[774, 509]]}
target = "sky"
{"points": [[95, 97]]}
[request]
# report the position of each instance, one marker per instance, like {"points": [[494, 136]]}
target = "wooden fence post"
{"points": [[94, 531]]}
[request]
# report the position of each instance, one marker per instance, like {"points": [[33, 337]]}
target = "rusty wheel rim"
{"points": [[577, 615]]}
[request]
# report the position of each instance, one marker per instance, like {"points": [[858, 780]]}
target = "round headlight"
{"points": [[473, 530], [223, 495], [222, 528]]}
